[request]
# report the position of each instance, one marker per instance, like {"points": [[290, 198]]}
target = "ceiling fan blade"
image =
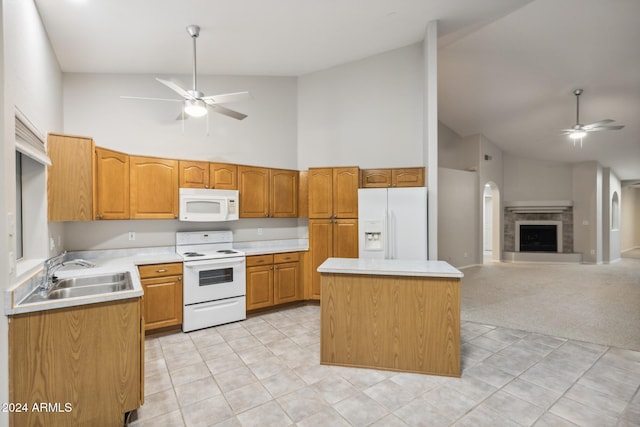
{"points": [[151, 99], [226, 97], [171, 85], [599, 128], [596, 124], [227, 112]]}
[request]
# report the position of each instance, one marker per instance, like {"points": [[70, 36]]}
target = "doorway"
{"points": [[491, 223]]}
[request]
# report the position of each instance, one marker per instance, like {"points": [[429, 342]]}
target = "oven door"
{"points": [[214, 279]]}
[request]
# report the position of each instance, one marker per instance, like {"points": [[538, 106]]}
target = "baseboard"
{"points": [[630, 249], [468, 266], [561, 258]]}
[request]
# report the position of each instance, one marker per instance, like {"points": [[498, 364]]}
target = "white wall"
{"points": [[629, 217], [536, 180], [149, 233], [267, 137], [32, 81], [587, 211], [5, 180], [455, 152], [367, 113], [458, 232]]}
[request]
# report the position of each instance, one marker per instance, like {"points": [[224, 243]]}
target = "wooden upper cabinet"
{"points": [[345, 192], [111, 184], [154, 188], [70, 178], [407, 177], [194, 174], [284, 193], [400, 177], [223, 176], [333, 192], [253, 187], [376, 178], [320, 191]]}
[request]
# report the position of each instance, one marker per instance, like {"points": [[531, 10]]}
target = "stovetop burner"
{"points": [[192, 254], [227, 251]]}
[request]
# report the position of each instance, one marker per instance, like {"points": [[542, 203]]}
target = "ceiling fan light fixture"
{"points": [[577, 134], [195, 107]]}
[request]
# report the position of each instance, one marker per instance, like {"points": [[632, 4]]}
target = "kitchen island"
{"points": [[399, 315]]}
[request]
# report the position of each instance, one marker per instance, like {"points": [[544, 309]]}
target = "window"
{"points": [[19, 243], [31, 229]]}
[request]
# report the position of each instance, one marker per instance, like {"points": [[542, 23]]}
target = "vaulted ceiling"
{"points": [[507, 68]]}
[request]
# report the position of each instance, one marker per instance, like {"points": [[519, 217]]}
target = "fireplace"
{"points": [[538, 236]]}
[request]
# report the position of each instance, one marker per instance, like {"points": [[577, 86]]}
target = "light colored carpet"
{"points": [[594, 303]]}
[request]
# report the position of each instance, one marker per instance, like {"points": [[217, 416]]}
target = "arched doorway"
{"points": [[491, 223]]}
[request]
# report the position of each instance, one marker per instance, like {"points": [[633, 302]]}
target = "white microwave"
{"points": [[204, 205]]}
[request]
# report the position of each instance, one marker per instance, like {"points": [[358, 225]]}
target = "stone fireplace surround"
{"points": [[510, 229]]}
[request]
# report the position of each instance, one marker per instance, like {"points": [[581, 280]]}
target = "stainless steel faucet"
{"points": [[54, 263]]}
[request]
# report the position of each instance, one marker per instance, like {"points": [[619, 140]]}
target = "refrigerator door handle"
{"points": [[385, 235]]}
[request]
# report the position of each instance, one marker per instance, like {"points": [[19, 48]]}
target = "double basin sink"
{"points": [[82, 286]]}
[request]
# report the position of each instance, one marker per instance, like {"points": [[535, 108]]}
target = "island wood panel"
{"points": [[89, 357], [399, 323]]}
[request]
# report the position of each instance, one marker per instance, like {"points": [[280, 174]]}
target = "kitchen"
{"points": [[281, 113], [294, 123]]}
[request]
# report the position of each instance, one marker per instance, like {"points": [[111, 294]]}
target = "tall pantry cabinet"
{"points": [[333, 218]]}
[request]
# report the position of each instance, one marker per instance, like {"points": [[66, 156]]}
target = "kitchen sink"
{"points": [[82, 286]]}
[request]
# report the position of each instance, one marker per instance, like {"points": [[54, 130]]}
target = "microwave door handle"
{"points": [[224, 208]]}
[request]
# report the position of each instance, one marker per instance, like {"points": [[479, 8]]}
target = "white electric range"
{"points": [[214, 279]]}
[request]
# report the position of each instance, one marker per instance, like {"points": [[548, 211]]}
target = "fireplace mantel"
{"points": [[539, 206]]}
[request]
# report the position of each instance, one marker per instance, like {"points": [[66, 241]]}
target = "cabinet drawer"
{"points": [[159, 270], [286, 257], [259, 260]]}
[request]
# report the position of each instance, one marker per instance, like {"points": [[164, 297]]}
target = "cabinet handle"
{"points": [[275, 267], [260, 261], [286, 258], [266, 215], [179, 278], [162, 270], [175, 216], [206, 186]]}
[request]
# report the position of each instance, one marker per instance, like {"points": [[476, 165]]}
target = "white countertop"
{"points": [[389, 267], [107, 262]]}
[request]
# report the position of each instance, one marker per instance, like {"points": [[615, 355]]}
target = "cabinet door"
{"points": [[284, 193], [112, 184], [253, 187], [376, 178], [345, 238], [70, 178], [162, 302], [223, 176], [259, 287], [408, 177], [345, 192], [320, 248], [286, 282], [320, 188], [154, 188], [194, 174]]}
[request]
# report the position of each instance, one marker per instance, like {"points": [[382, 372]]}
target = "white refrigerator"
{"points": [[392, 223]]}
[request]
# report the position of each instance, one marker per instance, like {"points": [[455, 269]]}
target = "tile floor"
{"points": [[265, 372]]}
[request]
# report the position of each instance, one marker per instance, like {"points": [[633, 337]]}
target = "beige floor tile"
{"points": [[189, 373], [247, 397], [234, 379], [581, 415], [268, 414], [283, 383], [207, 412], [361, 410], [391, 395], [196, 391], [302, 403]]}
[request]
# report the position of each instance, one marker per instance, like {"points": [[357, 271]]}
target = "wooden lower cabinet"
{"points": [[273, 279], [329, 238], [77, 366], [162, 284]]}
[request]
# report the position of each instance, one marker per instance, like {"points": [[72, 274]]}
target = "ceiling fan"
{"points": [[579, 131], [195, 103]]}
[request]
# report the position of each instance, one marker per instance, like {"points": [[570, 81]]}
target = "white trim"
{"points": [[539, 206], [558, 225]]}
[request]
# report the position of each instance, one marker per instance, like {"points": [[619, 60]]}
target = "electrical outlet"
{"points": [[259, 231], [132, 235], [593, 251], [52, 244]]}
